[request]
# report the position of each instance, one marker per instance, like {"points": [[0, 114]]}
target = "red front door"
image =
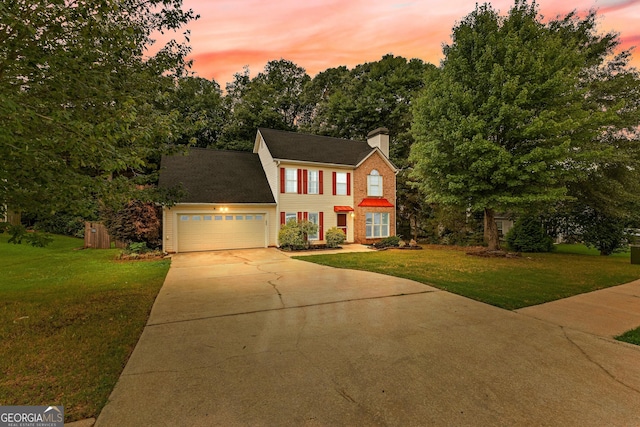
{"points": [[342, 222]]}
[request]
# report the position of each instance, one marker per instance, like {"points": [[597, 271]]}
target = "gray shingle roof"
{"points": [[314, 148], [217, 176]]}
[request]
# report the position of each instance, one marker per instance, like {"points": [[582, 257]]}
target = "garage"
{"points": [[214, 231]]}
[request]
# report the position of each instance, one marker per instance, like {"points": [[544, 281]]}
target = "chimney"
{"points": [[379, 138]]}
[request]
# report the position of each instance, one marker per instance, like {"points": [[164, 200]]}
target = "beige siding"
{"points": [[290, 202], [269, 165]]}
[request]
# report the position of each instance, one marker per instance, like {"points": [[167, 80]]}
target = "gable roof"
{"points": [[216, 176], [302, 147]]}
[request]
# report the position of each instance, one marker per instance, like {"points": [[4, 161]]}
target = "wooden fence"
{"points": [[96, 236]]}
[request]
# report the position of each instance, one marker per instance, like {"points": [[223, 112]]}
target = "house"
{"points": [[240, 199]]}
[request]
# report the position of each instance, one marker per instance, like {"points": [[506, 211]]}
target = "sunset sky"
{"points": [[320, 34]]}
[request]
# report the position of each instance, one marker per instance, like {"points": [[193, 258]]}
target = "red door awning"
{"points": [[375, 203], [342, 209]]}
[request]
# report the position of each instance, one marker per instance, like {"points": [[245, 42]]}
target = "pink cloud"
{"points": [[319, 34]]}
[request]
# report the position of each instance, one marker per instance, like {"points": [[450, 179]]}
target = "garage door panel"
{"points": [[203, 232]]}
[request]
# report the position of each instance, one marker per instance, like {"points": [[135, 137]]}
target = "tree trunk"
{"points": [[491, 230]]}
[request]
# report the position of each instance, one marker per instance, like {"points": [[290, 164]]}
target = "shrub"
{"points": [[529, 235], [334, 237], [17, 232], [137, 222], [291, 236], [388, 242], [4, 226]]}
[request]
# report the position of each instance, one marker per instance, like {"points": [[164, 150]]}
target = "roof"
{"points": [[216, 176], [296, 146]]}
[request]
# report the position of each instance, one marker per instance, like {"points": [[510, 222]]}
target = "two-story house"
{"points": [[240, 200]]}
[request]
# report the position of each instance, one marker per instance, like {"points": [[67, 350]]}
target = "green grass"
{"points": [[632, 336], [69, 320], [510, 283]]}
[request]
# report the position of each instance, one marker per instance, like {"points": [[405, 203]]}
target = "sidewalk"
{"points": [[607, 313]]}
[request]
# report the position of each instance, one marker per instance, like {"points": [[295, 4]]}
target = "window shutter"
{"points": [[305, 181], [320, 183], [299, 216], [283, 218], [305, 215], [348, 183], [282, 180], [299, 181], [321, 226], [334, 183]]}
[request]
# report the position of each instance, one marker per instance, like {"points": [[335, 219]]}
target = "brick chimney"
{"points": [[379, 138]]}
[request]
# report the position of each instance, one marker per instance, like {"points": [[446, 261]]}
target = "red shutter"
{"points": [[334, 183], [348, 183], [282, 188], [305, 181], [283, 218], [299, 216], [305, 215], [299, 181], [321, 226], [320, 183]]}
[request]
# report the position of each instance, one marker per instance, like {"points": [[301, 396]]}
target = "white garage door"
{"points": [[210, 231]]}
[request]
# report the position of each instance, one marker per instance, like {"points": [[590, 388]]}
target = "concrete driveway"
{"points": [[253, 337]]}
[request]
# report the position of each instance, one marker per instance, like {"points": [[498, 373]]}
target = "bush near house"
{"points": [[294, 234], [334, 237]]}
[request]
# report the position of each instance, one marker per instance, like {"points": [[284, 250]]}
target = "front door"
{"points": [[342, 222]]}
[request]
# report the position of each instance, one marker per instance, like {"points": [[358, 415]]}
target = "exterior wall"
{"points": [[375, 161], [268, 164], [170, 220], [293, 202]]}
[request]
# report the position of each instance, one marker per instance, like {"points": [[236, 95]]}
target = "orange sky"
{"points": [[320, 34]]}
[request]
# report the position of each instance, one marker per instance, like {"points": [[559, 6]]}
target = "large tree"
{"points": [[520, 109], [272, 99], [78, 98]]}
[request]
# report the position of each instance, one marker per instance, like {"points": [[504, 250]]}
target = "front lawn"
{"points": [[632, 336], [69, 321], [509, 283]]}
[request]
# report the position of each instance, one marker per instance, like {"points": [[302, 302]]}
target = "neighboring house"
{"points": [[240, 200]]}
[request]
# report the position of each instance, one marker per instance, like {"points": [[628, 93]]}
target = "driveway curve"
{"points": [[253, 337]]}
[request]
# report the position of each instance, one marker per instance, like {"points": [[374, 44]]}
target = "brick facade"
{"points": [[360, 174]]}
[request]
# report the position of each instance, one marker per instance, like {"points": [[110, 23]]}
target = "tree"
{"points": [[272, 99], [519, 110], [78, 99], [203, 113]]}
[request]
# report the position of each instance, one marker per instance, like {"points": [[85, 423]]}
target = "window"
{"points": [[196, 217], [249, 217], [291, 180], [500, 228], [377, 225], [184, 217], [258, 217], [239, 218], [290, 216], [313, 183], [218, 217], [228, 218], [314, 218], [207, 217], [341, 183], [374, 184]]}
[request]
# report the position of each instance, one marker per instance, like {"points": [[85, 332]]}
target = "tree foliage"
{"points": [[520, 109], [529, 235], [78, 98]]}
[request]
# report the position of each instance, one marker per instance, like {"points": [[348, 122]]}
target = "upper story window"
{"points": [[313, 182], [291, 180], [341, 183], [374, 183]]}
